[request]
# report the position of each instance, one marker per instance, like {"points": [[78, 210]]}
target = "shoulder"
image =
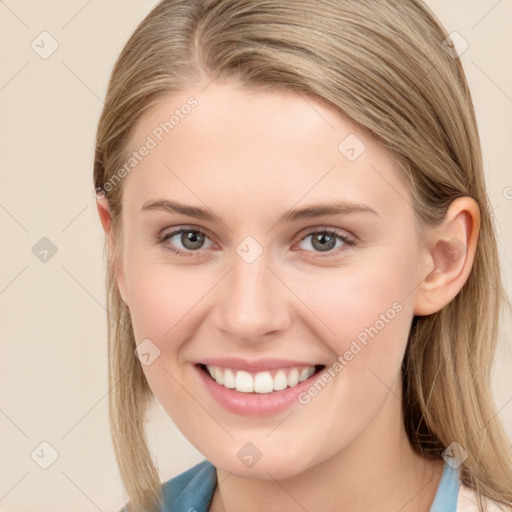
{"points": [[192, 489], [468, 501], [189, 491]]}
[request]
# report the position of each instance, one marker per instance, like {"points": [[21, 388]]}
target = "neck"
{"points": [[379, 470]]}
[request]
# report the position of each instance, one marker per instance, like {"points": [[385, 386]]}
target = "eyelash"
{"points": [[162, 240]]}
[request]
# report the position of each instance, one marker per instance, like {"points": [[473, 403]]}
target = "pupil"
{"points": [[192, 239], [321, 240]]}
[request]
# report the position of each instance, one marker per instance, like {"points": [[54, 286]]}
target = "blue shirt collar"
{"points": [[192, 490]]}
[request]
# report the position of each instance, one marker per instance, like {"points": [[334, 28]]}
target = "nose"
{"points": [[252, 304]]}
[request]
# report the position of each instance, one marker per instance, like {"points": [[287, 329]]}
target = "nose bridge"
{"points": [[253, 302], [250, 280]]}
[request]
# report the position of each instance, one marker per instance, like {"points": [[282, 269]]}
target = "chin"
{"points": [[274, 466]]}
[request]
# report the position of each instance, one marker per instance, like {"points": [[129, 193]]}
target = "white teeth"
{"points": [[219, 375], [244, 382], [306, 373], [261, 382], [280, 381], [229, 379], [293, 378]]}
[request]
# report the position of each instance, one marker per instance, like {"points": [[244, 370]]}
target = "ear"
{"points": [[450, 250], [106, 222]]}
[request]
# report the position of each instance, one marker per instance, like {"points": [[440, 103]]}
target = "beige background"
{"points": [[53, 373]]}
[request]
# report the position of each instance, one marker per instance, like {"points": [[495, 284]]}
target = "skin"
{"points": [[250, 157]]}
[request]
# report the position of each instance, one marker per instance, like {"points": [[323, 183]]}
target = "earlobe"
{"points": [[106, 222], [451, 250]]}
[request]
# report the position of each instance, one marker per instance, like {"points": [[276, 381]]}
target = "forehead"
{"points": [[258, 149]]}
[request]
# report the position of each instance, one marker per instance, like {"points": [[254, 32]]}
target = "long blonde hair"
{"points": [[383, 63]]}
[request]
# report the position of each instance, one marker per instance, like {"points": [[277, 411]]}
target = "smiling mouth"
{"points": [[260, 382]]}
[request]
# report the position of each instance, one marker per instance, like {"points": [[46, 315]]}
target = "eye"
{"points": [[192, 240], [325, 241]]}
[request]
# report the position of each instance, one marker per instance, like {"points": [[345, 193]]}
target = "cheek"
{"points": [[365, 310], [352, 299], [164, 305], [370, 313], [160, 295]]}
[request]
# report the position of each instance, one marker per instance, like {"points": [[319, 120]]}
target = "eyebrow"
{"points": [[340, 207]]}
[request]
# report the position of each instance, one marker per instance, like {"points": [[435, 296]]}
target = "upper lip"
{"points": [[256, 365]]}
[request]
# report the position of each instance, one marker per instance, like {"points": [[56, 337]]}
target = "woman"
{"points": [[302, 260]]}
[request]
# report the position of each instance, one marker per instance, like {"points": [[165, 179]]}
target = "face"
{"points": [[235, 279]]}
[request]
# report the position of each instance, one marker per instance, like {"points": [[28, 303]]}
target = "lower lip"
{"points": [[255, 404]]}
